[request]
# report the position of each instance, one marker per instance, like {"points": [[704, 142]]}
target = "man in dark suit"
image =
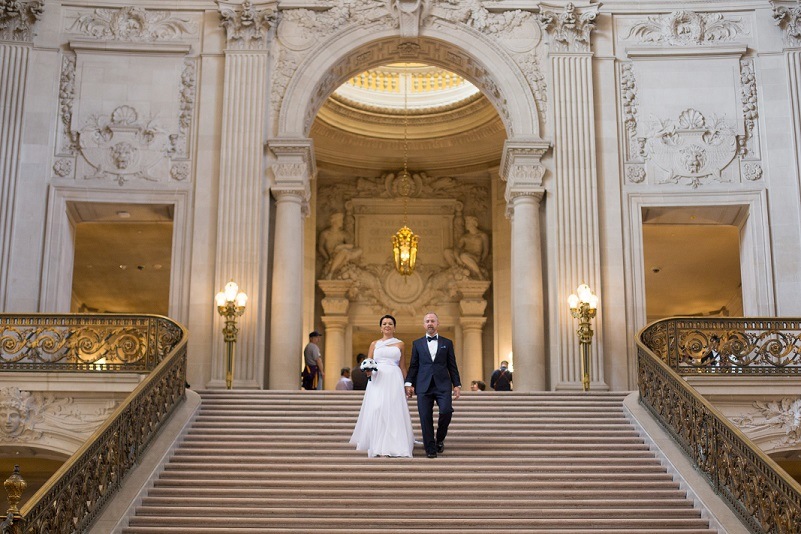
{"points": [[432, 374]]}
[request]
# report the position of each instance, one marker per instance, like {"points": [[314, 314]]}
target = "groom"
{"points": [[432, 373]]}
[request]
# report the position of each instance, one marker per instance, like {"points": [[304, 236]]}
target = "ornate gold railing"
{"points": [[762, 494], [76, 493], [743, 346]]}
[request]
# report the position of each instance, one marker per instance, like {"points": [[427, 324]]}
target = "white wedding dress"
{"points": [[384, 427]]}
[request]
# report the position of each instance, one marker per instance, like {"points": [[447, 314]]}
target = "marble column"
{"points": [[523, 172], [16, 34], [292, 170], [335, 308], [240, 210], [575, 183]]}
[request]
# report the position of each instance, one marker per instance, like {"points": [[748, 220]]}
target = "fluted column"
{"points": [[240, 207], [523, 172], [335, 307], [575, 182], [293, 168], [16, 34]]}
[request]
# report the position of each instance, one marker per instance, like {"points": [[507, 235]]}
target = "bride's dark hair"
{"points": [[394, 322]]}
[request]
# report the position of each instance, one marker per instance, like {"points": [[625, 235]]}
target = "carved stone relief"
{"points": [[789, 19], [683, 28], [27, 417], [18, 18], [461, 245], [749, 141], [774, 417], [122, 147], [141, 151], [246, 27], [132, 24], [690, 149]]}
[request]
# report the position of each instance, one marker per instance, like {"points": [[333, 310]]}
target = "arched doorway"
{"points": [[294, 166]]}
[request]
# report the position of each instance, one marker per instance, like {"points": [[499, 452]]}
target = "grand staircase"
{"points": [[270, 461]]}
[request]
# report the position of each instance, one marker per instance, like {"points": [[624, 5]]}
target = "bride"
{"points": [[384, 427]]}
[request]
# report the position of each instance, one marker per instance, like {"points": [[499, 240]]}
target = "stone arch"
{"points": [[459, 49]]}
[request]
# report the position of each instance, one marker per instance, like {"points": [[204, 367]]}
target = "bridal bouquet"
{"points": [[369, 365]]}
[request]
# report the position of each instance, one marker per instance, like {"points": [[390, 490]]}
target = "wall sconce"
{"points": [[230, 304], [583, 306]]}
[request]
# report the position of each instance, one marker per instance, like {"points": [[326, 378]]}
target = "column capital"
{"points": [[522, 169], [569, 26], [472, 323], [17, 19], [335, 322], [787, 15], [293, 168], [247, 26]]}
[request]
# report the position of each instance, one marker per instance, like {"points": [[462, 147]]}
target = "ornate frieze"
{"points": [[18, 18], [26, 416], [774, 417], [122, 147], [133, 24], [691, 149], [683, 28], [247, 26], [569, 28], [789, 19]]}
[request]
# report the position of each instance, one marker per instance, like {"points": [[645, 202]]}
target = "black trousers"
{"points": [[425, 407]]}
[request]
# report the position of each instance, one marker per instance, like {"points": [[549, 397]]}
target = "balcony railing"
{"points": [[76, 493], [762, 494]]}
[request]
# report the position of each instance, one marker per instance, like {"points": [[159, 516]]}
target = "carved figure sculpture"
{"points": [[472, 249], [335, 246]]}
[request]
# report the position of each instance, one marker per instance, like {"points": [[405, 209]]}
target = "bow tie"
{"points": [[430, 339]]}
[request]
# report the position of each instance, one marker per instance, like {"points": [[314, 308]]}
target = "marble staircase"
{"points": [[272, 461]]}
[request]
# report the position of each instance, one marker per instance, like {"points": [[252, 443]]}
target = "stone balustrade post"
{"points": [[335, 308]]}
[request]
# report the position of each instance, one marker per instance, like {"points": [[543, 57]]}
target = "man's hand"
{"points": [[457, 391], [409, 391]]}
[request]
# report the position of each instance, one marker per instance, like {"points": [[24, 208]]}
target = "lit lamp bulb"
{"points": [[230, 304]]}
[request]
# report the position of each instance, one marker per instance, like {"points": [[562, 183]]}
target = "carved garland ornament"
{"points": [[682, 28], [133, 24], [18, 17]]}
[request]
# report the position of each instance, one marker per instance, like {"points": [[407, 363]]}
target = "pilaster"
{"points": [[575, 180], [240, 216], [16, 34]]}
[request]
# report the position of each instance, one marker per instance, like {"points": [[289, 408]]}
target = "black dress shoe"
{"points": [[441, 446], [431, 454]]}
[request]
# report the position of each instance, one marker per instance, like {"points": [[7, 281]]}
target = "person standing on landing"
{"points": [[432, 375]]}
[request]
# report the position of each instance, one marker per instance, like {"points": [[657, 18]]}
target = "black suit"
{"points": [[433, 380]]}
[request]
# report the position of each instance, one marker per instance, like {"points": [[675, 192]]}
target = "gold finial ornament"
{"points": [[15, 487]]}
